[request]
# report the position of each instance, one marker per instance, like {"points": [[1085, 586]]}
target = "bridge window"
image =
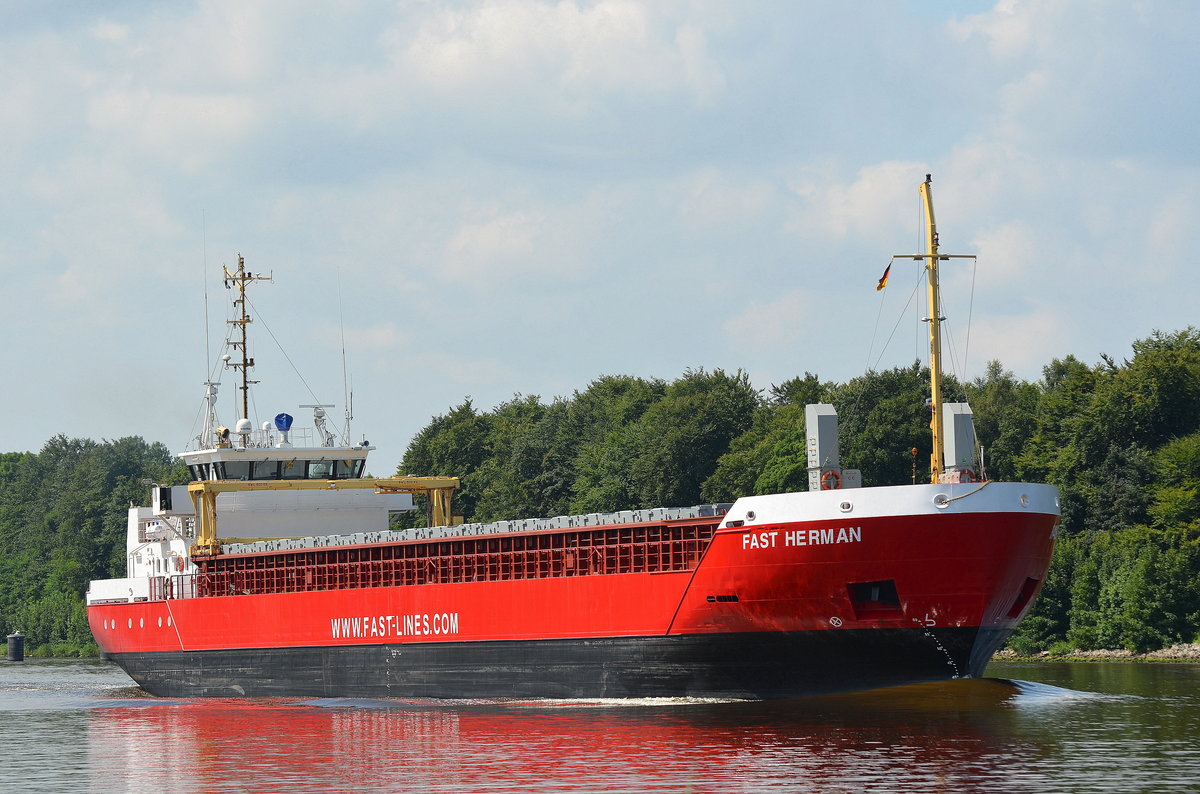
{"points": [[265, 470], [277, 470], [235, 470], [347, 469]]}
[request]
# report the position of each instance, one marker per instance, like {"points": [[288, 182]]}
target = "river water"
{"points": [[1061, 727]]}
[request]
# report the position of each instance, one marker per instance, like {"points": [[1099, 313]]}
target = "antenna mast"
{"points": [[347, 391], [240, 279]]}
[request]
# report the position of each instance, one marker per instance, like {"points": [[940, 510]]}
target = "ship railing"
{"points": [[667, 547], [582, 521], [182, 585], [299, 437]]}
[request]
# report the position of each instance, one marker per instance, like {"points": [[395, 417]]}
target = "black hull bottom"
{"points": [[761, 665]]}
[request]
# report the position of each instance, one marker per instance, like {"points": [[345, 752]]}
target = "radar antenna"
{"points": [[327, 438]]}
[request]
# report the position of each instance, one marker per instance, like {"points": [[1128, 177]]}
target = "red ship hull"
{"points": [[774, 608]]}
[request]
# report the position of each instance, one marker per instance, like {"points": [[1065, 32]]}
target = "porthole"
{"points": [[141, 623], [750, 515], [846, 507], [168, 620], [160, 623], [129, 623]]}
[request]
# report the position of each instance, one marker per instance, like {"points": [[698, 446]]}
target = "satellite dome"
{"points": [[283, 422], [243, 426]]}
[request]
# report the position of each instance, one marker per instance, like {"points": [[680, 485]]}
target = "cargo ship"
{"points": [[276, 571]]}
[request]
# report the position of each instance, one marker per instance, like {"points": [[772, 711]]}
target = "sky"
{"points": [[484, 199]]}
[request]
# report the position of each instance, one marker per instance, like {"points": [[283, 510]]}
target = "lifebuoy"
{"points": [[966, 475], [831, 481], [179, 564]]}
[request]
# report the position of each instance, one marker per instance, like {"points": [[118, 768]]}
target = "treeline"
{"points": [[62, 523], [1121, 441]]}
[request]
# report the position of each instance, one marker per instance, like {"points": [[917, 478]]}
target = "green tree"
{"points": [[453, 444], [1005, 411], [882, 417], [666, 455], [772, 455], [503, 485], [1176, 492], [63, 519]]}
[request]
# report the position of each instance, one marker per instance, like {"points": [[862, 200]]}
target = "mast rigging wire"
{"points": [[853, 412], [345, 377], [288, 358]]}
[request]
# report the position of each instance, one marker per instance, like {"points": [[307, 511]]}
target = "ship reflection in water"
{"points": [[989, 734]]}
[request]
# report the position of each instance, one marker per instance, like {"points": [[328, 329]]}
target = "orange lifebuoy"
{"points": [[179, 564], [966, 475], [831, 481]]}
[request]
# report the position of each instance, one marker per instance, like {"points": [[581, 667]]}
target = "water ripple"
{"points": [[1043, 728]]}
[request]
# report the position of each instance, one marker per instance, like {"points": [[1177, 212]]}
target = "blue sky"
{"points": [[490, 198]]}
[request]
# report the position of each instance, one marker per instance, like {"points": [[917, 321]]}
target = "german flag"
{"points": [[883, 279]]}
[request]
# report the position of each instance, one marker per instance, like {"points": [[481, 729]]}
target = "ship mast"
{"points": [[937, 456], [931, 257], [240, 279]]}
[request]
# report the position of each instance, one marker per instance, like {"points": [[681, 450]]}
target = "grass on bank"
{"points": [[53, 650], [1067, 652]]}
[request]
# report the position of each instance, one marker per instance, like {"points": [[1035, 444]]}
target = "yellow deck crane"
{"points": [[440, 491]]}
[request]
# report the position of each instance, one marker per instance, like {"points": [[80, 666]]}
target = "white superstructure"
{"points": [[161, 538]]}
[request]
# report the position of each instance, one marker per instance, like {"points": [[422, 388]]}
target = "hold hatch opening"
{"points": [[1027, 592], [874, 600]]}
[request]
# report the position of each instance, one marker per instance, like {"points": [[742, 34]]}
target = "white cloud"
{"points": [[490, 249], [1023, 344], [779, 322], [711, 197], [103, 238], [559, 50], [105, 30], [702, 74], [224, 43], [190, 132], [872, 204], [532, 192], [1006, 253], [465, 374], [377, 338], [1171, 233], [1008, 28]]}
